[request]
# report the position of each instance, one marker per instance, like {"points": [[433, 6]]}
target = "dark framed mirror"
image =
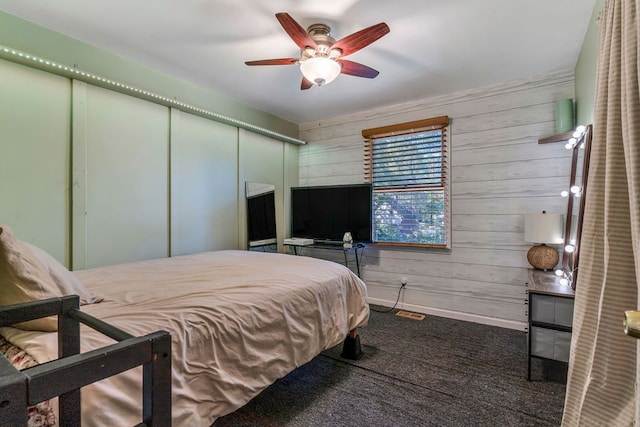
{"points": [[261, 216], [580, 143]]}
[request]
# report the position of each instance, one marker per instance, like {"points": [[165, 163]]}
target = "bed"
{"points": [[238, 321]]}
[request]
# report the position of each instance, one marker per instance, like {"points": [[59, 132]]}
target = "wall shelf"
{"points": [[561, 137]]}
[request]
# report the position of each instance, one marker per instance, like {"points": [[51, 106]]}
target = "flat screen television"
{"points": [[327, 212]]}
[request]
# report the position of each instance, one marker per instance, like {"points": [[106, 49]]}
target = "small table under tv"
{"points": [[356, 248]]}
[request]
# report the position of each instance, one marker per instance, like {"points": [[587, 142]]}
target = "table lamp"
{"points": [[543, 228]]}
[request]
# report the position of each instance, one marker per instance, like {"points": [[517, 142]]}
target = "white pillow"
{"points": [[67, 282], [27, 273]]}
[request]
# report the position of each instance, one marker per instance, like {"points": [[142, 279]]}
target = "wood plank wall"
{"points": [[499, 173]]}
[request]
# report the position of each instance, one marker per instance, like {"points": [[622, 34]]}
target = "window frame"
{"points": [[441, 123]]}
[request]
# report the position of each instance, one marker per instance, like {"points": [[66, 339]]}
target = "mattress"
{"points": [[239, 320]]}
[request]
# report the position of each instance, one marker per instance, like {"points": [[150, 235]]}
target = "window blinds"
{"points": [[407, 165]]}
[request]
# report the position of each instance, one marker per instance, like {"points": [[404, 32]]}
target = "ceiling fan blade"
{"points": [[295, 31], [356, 69], [360, 39], [280, 61], [306, 84]]}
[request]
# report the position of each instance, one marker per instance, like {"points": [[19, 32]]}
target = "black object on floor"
{"points": [[351, 348]]}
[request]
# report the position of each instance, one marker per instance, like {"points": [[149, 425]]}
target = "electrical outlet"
{"points": [[403, 281]]}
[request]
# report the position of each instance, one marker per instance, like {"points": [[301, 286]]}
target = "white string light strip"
{"points": [[17, 56]]}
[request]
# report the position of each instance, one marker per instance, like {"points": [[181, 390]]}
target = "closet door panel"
{"points": [[35, 109], [204, 184], [126, 150]]}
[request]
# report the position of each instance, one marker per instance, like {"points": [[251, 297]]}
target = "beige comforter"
{"points": [[239, 320]]}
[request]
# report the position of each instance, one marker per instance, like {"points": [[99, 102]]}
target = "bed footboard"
{"points": [[65, 376]]}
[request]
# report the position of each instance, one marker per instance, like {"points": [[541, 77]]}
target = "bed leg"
{"points": [[156, 384], [13, 402], [351, 347]]}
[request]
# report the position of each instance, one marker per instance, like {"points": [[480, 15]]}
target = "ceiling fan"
{"points": [[321, 56]]}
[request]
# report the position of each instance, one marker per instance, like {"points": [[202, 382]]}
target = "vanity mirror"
{"points": [[580, 143]]}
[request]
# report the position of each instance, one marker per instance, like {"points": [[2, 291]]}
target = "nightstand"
{"points": [[550, 317]]}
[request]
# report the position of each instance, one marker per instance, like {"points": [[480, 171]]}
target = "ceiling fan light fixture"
{"points": [[320, 70]]}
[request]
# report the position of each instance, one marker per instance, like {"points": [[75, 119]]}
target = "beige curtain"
{"points": [[602, 384]]}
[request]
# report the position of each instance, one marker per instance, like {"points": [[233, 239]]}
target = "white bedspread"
{"points": [[239, 320]]}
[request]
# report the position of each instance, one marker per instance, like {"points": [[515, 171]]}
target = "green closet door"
{"points": [[123, 143], [204, 187], [261, 160], [35, 109]]}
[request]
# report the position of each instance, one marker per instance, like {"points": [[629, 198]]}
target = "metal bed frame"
{"points": [[65, 376]]}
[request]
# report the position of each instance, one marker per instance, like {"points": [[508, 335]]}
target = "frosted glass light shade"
{"points": [[320, 70], [544, 228]]}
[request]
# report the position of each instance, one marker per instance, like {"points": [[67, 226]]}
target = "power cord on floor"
{"points": [[394, 305]]}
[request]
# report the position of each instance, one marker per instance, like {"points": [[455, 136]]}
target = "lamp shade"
{"points": [[320, 70], [544, 228]]}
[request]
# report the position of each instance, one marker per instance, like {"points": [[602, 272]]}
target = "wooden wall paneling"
{"points": [[343, 168], [513, 205], [526, 187], [480, 222], [499, 173], [535, 84], [204, 208], [496, 258], [538, 90], [394, 268], [34, 166], [351, 178], [502, 118], [490, 240], [335, 154], [499, 313], [488, 291], [127, 169], [493, 176], [512, 153], [513, 135], [509, 170]]}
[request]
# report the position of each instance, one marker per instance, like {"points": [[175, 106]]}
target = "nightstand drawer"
{"points": [[551, 309], [550, 344]]}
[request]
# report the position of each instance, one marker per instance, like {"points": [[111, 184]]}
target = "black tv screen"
{"points": [[326, 213]]}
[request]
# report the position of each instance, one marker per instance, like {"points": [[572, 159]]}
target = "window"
{"points": [[407, 165]]}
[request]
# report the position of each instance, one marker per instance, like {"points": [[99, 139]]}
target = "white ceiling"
{"points": [[434, 47]]}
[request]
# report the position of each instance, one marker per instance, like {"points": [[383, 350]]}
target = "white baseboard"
{"points": [[484, 320]]}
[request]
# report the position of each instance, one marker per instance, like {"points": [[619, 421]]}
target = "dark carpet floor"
{"points": [[434, 372]]}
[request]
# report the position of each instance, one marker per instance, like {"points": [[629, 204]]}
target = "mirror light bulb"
{"points": [[568, 146], [559, 273], [565, 193], [581, 129], [575, 189], [564, 282], [569, 249]]}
